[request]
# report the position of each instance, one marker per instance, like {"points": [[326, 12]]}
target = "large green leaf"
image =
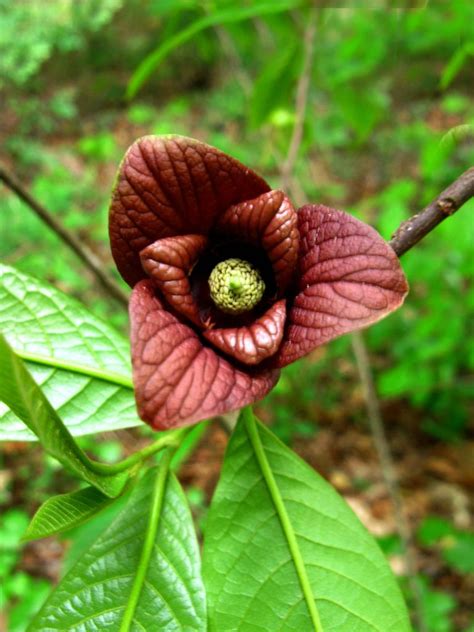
{"points": [[81, 363], [284, 552], [23, 396], [224, 15], [142, 573], [66, 511]]}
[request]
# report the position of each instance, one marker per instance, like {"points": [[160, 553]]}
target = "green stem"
{"points": [[188, 444], [170, 439], [101, 374], [254, 437], [150, 537]]}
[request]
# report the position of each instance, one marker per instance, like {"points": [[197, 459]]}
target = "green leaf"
{"points": [[273, 85], [225, 15], [81, 537], [458, 552], [13, 524], [457, 546], [66, 511], [32, 596], [283, 551], [81, 363], [455, 64], [21, 393], [361, 109], [458, 134], [142, 573], [432, 529]]}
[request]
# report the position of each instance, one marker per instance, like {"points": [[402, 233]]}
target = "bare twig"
{"points": [[90, 260], [301, 100], [388, 470], [447, 203], [407, 235]]}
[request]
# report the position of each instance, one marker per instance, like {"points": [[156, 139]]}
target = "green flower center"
{"points": [[236, 286]]}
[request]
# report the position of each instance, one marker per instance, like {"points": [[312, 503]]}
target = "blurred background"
{"points": [[388, 125]]}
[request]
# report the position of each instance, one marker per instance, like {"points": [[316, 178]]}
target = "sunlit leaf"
{"points": [[97, 592], [455, 64], [19, 391], [63, 512], [81, 363], [284, 551]]}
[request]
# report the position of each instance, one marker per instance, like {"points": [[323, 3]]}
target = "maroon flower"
{"points": [[230, 282]]}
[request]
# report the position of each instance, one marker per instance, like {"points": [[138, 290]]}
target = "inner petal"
{"points": [[270, 222], [168, 185], [169, 262], [253, 343]]}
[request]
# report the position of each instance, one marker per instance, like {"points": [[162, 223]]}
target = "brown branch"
{"points": [[90, 260], [387, 466], [406, 236], [446, 204]]}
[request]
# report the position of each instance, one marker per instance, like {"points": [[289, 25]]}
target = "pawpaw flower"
{"points": [[230, 282]]}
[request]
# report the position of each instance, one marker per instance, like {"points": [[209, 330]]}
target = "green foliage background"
{"points": [[389, 124]]}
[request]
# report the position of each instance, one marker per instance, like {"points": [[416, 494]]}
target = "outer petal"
{"points": [[269, 221], [172, 185], [169, 262], [254, 343], [349, 278], [179, 381]]}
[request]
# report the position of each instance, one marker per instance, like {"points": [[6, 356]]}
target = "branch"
{"points": [[90, 260], [406, 236], [446, 204], [387, 466]]}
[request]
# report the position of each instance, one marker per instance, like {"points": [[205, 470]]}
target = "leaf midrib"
{"points": [[277, 499], [156, 506], [74, 367]]}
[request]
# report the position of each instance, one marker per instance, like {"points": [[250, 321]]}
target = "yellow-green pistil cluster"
{"points": [[236, 286]]}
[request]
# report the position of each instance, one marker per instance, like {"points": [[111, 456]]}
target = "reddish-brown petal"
{"points": [[169, 262], [172, 185], [269, 221], [349, 277], [254, 343], [179, 381]]}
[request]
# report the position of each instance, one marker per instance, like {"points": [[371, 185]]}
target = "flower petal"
{"points": [[269, 221], [172, 185], [178, 381], [169, 262], [258, 341], [349, 278]]}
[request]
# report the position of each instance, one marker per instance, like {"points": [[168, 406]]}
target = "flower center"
{"points": [[236, 286]]}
